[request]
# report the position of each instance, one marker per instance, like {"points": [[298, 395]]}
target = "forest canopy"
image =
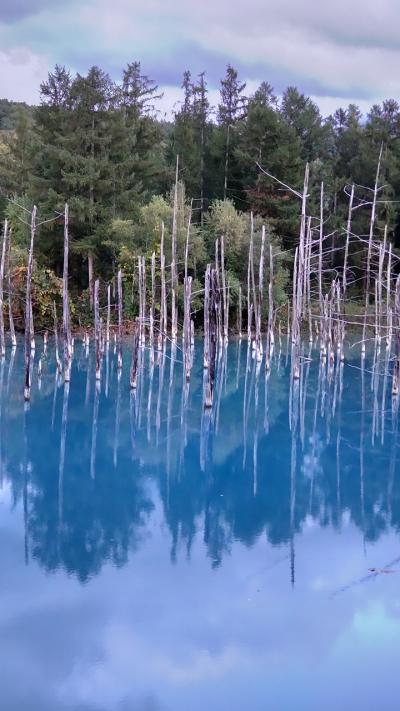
{"points": [[102, 146]]}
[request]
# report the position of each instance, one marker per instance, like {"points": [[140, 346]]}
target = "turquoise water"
{"points": [[156, 558]]}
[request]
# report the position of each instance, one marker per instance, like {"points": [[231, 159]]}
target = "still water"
{"points": [[156, 558]]}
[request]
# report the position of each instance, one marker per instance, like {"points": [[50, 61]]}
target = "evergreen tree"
{"points": [[144, 162], [301, 114], [190, 139], [201, 110], [265, 139], [183, 140], [88, 174], [231, 110], [18, 151], [100, 145], [52, 124]]}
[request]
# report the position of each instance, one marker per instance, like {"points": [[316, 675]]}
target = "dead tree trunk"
{"points": [[57, 354], [97, 330], [207, 284], [224, 292], [240, 313], [372, 224], [163, 304], [90, 273], [212, 339], [388, 299], [3, 257], [142, 299], [346, 250], [66, 316], [396, 366], [270, 327], [9, 281], [321, 235], [174, 279], [249, 302], [108, 314], [28, 309], [135, 355], [153, 299], [257, 318], [187, 240], [120, 315], [187, 327]]}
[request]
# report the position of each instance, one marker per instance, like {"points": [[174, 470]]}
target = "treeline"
{"points": [[101, 145]]}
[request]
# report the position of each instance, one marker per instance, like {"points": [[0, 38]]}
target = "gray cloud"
{"points": [[14, 10], [351, 53]]}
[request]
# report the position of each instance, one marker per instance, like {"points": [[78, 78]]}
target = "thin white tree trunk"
{"points": [[346, 251], [372, 224], [66, 315], [108, 314], [28, 309], [97, 330], [2, 263], [90, 272], [120, 321], [9, 280], [174, 313]]}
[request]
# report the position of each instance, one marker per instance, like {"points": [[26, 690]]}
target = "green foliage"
{"points": [[99, 144], [9, 111], [46, 289], [224, 220]]}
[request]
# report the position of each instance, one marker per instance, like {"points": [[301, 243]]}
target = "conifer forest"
{"points": [[104, 148]]}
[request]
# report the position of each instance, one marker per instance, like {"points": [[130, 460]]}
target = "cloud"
{"points": [[21, 72], [13, 10], [329, 104], [296, 39], [294, 42]]}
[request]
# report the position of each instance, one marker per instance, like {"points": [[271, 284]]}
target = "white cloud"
{"points": [[301, 39], [329, 104], [292, 42], [21, 72]]}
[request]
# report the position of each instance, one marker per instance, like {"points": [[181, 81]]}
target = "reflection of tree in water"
{"points": [[257, 470], [324, 486], [102, 520], [86, 520]]}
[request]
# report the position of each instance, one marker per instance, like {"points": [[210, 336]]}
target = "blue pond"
{"points": [[158, 558]]}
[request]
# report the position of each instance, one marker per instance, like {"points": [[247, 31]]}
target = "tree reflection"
{"points": [[272, 453]]}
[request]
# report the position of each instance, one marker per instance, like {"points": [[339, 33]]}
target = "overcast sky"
{"points": [[335, 52]]}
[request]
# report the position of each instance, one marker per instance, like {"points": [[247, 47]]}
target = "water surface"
{"points": [[156, 557]]}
